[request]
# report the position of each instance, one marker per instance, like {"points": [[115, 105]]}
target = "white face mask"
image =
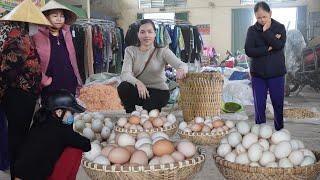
{"points": [[33, 29]]}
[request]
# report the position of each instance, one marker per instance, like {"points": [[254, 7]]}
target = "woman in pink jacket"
{"points": [[59, 71], [57, 54]]}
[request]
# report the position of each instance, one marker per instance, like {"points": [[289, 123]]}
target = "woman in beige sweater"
{"points": [[143, 81]]}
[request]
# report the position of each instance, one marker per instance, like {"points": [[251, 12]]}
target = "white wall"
{"points": [[219, 17]]}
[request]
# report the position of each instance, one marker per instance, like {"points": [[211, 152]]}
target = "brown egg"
{"points": [[157, 122], [119, 155], [134, 120], [217, 123], [196, 128], [147, 125], [105, 151], [206, 129], [163, 147], [139, 157], [127, 126], [130, 148], [164, 119]]}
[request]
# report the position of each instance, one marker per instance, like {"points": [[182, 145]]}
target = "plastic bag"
{"points": [[103, 78], [240, 116], [295, 43], [238, 91]]}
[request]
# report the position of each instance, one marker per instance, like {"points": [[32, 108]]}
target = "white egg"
{"points": [[255, 129], [94, 152], [231, 157], [224, 140], [188, 149], [282, 150], [167, 124], [280, 136], [183, 125], [142, 141], [147, 148], [255, 152], [307, 160], [224, 149], [307, 152], [142, 135], [254, 164], [97, 125], [240, 149], [234, 139], [296, 157], [105, 132], [266, 158], [243, 127], [122, 121], [171, 118], [265, 131], [199, 120], [272, 165], [154, 113], [135, 113], [79, 125], [242, 159], [294, 144], [159, 134], [285, 163], [230, 124], [249, 139], [88, 133], [126, 140], [101, 160], [264, 143]]}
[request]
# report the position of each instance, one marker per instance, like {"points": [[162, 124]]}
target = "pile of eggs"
{"points": [[140, 120], [94, 126], [207, 125], [142, 150], [261, 146]]}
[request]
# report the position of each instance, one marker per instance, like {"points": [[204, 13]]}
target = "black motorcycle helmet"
{"points": [[63, 99]]}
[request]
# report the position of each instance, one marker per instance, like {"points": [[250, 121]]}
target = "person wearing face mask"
{"points": [[51, 133], [20, 73], [56, 51], [265, 45], [143, 76]]}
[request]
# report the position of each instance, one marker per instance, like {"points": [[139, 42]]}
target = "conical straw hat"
{"points": [[26, 12], [70, 16]]}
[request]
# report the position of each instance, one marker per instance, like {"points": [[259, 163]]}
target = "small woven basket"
{"points": [[201, 95], [170, 130], [201, 138], [173, 171], [235, 171]]}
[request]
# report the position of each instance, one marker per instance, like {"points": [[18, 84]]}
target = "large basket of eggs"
{"points": [[205, 131], [201, 95], [142, 121], [259, 152], [143, 157]]}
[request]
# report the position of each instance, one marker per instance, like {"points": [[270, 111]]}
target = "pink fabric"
{"points": [[42, 43]]}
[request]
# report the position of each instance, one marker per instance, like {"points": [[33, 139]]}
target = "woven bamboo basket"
{"points": [[170, 130], [174, 171], [201, 138], [201, 95], [235, 171]]}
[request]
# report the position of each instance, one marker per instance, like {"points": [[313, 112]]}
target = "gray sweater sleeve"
{"points": [[172, 59], [127, 67]]}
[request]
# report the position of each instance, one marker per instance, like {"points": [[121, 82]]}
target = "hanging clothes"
{"points": [[89, 53], [97, 43], [78, 38]]}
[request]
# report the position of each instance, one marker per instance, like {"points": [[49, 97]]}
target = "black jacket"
{"points": [[43, 147], [266, 64]]}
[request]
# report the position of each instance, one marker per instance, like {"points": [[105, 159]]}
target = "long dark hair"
{"points": [[148, 21], [42, 116], [263, 5]]}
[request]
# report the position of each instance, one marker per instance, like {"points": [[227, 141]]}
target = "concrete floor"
{"points": [[307, 132]]}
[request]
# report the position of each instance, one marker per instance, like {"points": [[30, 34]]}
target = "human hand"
{"points": [[47, 82], [270, 48], [267, 25], [142, 90], [181, 74], [278, 36]]}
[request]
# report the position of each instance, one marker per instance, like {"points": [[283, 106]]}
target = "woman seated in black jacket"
{"points": [[49, 135]]}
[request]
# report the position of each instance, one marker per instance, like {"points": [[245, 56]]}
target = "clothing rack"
{"points": [[109, 24], [171, 21]]}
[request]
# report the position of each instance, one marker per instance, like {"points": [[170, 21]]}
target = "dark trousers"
{"points": [[19, 108], [275, 86], [129, 97]]}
